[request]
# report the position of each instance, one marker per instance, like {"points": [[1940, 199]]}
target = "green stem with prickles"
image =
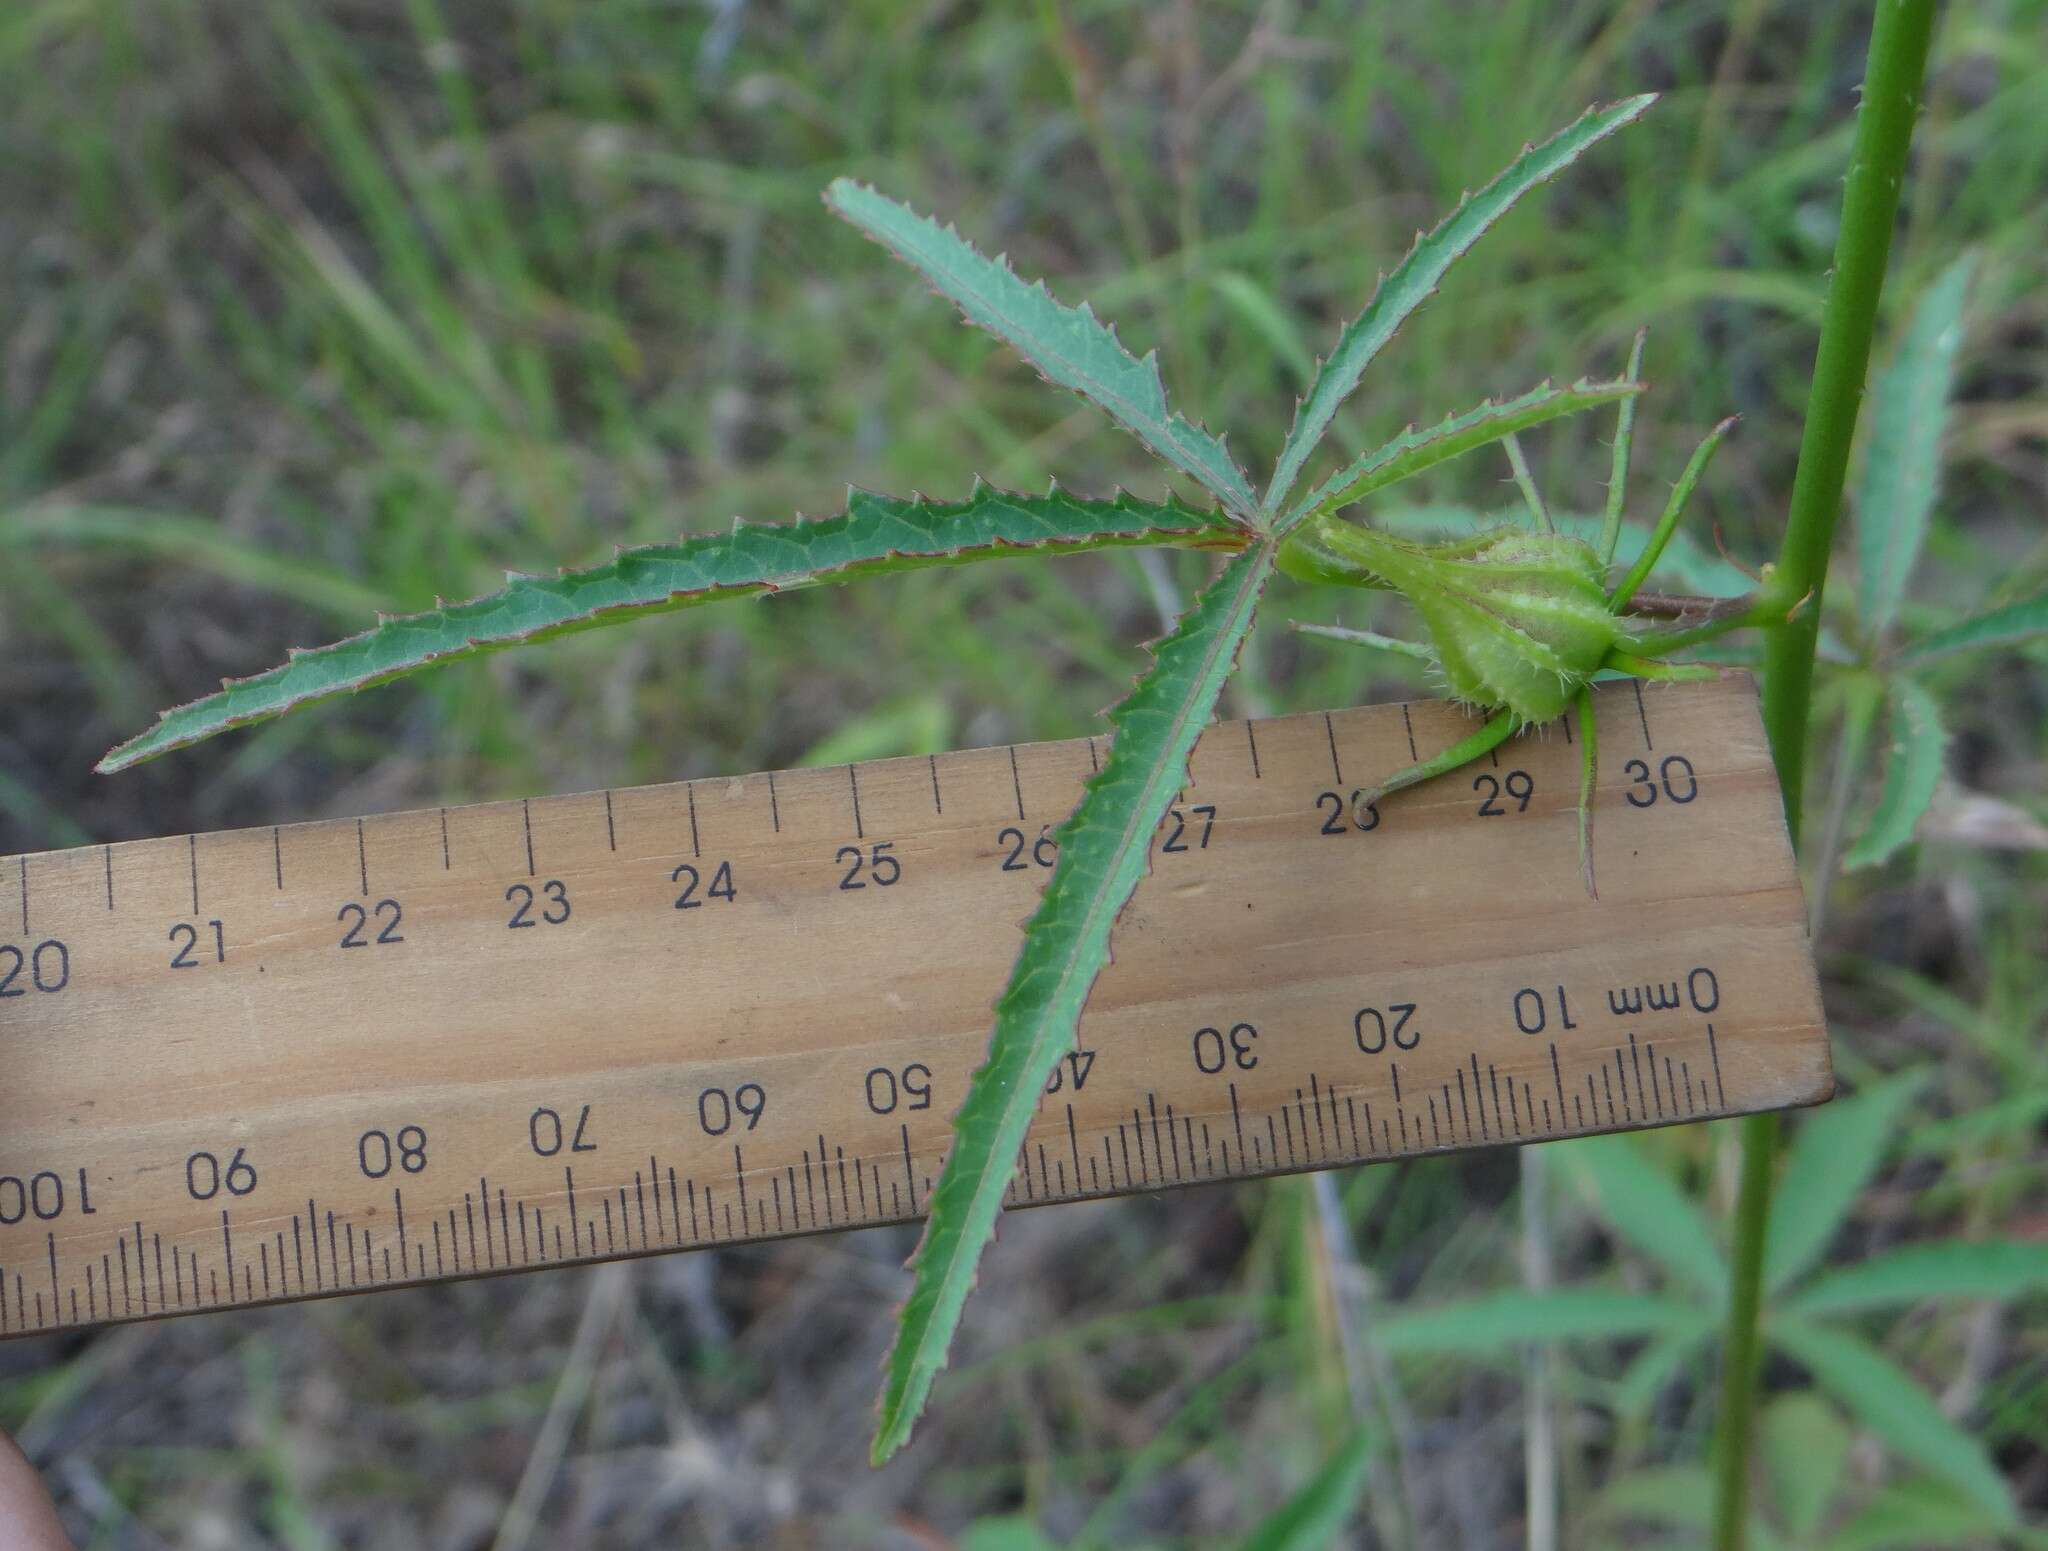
{"points": [[1884, 130]]}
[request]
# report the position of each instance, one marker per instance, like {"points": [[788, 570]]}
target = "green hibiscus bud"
{"points": [[1518, 620]]}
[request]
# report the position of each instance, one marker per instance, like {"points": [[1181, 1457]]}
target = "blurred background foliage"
{"points": [[311, 310]]}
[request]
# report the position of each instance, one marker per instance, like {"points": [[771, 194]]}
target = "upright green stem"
{"points": [[1870, 201], [1744, 1342]]}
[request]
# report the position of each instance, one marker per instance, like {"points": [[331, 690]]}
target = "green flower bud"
{"points": [[1519, 620], [1308, 556]]}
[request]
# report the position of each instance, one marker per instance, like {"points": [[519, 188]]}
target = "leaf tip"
{"points": [[891, 1433], [840, 190]]}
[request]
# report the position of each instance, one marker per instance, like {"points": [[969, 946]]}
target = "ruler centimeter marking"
{"points": [[320, 1058]]}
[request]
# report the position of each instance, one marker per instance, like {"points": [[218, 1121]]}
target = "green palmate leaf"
{"points": [[1911, 773], [1315, 1516], [1640, 1201], [1805, 1447], [1918, 1515], [1104, 847], [1658, 1363], [1502, 1322], [1070, 345], [1678, 1495], [1891, 1404], [2009, 625], [1415, 279], [876, 535], [1415, 450], [1835, 1154], [1908, 410], [1997, 1268]]}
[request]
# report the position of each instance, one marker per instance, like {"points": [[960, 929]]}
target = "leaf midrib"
{"points": [[991, 1179], [1128, 410]]}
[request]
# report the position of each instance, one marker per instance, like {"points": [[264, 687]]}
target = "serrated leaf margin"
{"points": [[1030, 319], [1902, 463], [2010, 624], [1413, 281], [1104, 851], [875, 535], [1414, 451], [1912, 772]]}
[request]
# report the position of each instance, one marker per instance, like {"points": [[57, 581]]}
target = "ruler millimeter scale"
{"points": [[277, 1063]]}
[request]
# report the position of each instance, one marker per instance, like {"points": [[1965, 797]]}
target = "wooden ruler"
{"points": [[270, 1064]]}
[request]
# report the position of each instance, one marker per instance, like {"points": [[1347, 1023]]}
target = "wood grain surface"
{"points": [[277, 1063]]}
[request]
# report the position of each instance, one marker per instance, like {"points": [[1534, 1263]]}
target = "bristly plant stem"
{"points": [[1870, 200]]}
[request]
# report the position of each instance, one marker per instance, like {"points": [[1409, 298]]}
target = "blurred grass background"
{"points": [[310, 310]]}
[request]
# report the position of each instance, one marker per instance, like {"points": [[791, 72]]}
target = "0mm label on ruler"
{"points": [[278, 1063]]}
